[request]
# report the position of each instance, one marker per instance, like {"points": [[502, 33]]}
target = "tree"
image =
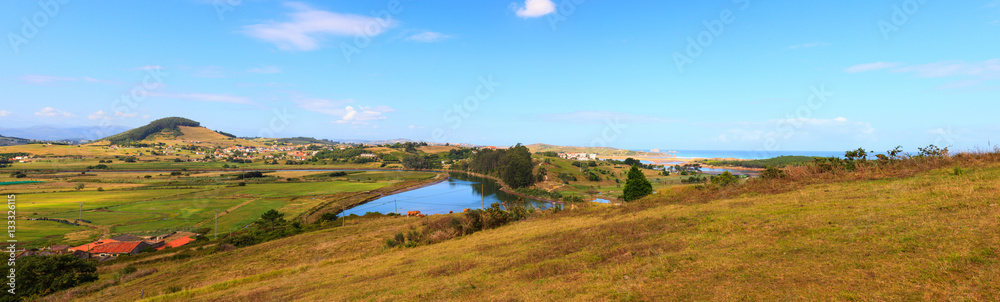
{"points": [[636, 186], [632, 162], [415, 162], [271, 218], [725, 179], [42, 275], [79, 186], [517, 167]]}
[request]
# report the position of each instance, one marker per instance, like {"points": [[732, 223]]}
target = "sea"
{"points": [[746, 154]]}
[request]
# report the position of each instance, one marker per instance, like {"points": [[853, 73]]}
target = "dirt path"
{"points": [[223, 213]]}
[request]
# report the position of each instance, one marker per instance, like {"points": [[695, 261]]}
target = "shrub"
{"points": [[725, 179], [772, 173]]}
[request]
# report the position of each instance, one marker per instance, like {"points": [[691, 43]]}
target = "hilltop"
{"points": [[176, 130], [13, 141]]}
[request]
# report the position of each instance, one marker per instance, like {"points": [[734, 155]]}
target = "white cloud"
{"points": [[345, 113], [427, 37], [362, 115], [265, 69], [99, 115], [4, 113], [534, 8], [51, 112], [584, 116], [840, 119], [121, 114], [307, 26], [871, 66]]}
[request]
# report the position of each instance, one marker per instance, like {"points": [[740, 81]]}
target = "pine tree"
{"points": [[636, 186]]}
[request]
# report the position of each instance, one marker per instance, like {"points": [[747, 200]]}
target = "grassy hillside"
{"points": [[168, 124], [926, 230], [198, 136], [12, 141]]}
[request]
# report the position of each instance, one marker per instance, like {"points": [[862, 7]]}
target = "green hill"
{"points": [[13, 141], [169, 124]]}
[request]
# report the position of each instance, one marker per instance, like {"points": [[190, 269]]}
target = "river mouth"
{"points": [[461, 191]]}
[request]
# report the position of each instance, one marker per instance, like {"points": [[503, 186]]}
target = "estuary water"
{"points": [[461, 191]]}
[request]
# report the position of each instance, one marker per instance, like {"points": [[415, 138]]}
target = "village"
{"points": [[109, 249]]}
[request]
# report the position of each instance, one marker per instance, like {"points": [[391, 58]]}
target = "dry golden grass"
{"points": [[437, 149], [205, 136], [929, 235]]}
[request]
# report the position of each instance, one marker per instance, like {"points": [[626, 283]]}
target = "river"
{"points": [[461, 191]]}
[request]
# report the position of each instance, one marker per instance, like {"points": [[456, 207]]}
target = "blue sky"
{"points": [[726, 75]]}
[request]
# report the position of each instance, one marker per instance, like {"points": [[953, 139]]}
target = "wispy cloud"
{"points": [[148, 67], [4, 113], [206, 97], [307, 26], [799, 129], [346, 114], [970, 74], [209, 72], [871, 66], [99, 115], [52, 80], [269, 84], [807, 45], [988, 68], [533, 8], [427, 37], [267, 69], [52, 112], [602, 116]]}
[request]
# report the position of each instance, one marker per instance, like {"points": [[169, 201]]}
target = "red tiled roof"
{"points": [[89, 246], [116, 247], [176, 243]]}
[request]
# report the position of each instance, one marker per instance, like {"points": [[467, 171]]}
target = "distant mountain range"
{"points": [[58, 134]]}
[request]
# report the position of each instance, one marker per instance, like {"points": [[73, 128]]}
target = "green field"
{"points": [[162, 203], [44, 231]]}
